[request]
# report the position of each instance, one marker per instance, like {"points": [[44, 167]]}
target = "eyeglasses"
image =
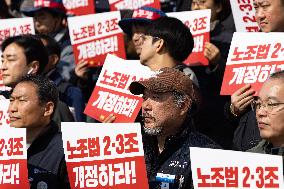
{"points": [[268, 106], [198, 2], [142, 38]]}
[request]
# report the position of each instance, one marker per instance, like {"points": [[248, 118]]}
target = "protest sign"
{"points": [[104, 155], [132, 4], [199, 24], [94, 36], [13, 27], [244, 15], [13, 159], [4, 114], [220, 169], [111, 94], [2, 86], [79, 7], [252, 58]]}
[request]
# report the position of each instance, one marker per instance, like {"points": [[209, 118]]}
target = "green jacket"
{"points": [[265, 147]]}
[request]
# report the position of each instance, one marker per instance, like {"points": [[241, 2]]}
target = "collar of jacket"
{"points": [[174, 142], [217, 28], [214, 25], [43, 139], [269, 149], [60, 34], [180, 136], [55, 76]]}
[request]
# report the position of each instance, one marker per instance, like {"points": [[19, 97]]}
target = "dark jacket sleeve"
{"points": [[246, 135]]}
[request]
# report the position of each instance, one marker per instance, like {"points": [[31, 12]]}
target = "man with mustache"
{"points": [[270, 18], [269, 109], [168, 98]]}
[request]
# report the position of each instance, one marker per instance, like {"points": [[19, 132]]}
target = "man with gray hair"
{"points": [[168, 98]]}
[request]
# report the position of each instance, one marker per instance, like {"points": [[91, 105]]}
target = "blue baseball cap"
{"points": [[141, 15]]}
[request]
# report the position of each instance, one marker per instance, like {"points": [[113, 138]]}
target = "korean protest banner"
{"points": [[253, 56], [13, 27], [244, 15], [199, 24], [94, 36], [102, 155], [111, 94], [79, 7], [220, 169], [132, 4], [4, 114], [13, 158], [2, 86]]}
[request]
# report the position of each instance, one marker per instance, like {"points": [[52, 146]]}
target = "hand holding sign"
{"points": [[81, 70], [108, 119], [212, 53], [252, 60], [241, 99]]}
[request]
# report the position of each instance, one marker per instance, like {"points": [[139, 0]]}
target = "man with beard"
{"points": [[168, 98]]}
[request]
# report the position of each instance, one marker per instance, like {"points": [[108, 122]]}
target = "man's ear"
{"points": [[219, 8], [34, 67], [160, 44], [49, 109], [186, 106], [64, 22], [54, 59]]}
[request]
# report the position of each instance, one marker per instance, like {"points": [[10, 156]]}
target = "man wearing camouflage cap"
{"points": [[168, 98]]}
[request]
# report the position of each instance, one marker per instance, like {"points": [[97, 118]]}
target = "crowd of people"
{"points": [[182, 105]]}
